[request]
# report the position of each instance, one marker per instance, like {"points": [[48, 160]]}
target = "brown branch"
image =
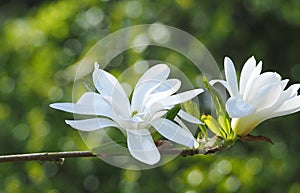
{"points": [[58, 157]]}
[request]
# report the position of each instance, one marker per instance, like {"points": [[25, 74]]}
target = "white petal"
{"points": [[148, 82], [158, 114], [167, 88], [91, 124], [284, 83], [140, 92], [285, 95], [223, 82], [142, 147], [173, 84], [109, 86], [267, 78], [287, 107], [254, 74], [178, 120], [246, 72], [188, 117], [231, 78], [237, 107], [180, 98], [90, 103], [174, 132], [266, 96], [293, 89], [157, 72], [119, 106]]}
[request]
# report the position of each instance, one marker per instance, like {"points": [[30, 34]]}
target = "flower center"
{"points": [[134, 113]]}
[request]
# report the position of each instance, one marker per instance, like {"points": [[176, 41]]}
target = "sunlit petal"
{"points": [[237, 107], [266, 96], [231, 76], [109, 86], [188, 117], [91, 124], [287, 107], [246, 72], [180, 98], [150, 80], [174, 132], [89, 104], [262, 80], [142, 147], [255, 73], [168, 88], [222, 82]]}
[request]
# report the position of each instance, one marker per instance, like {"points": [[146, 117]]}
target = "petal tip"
{"points": [[96, 65]]}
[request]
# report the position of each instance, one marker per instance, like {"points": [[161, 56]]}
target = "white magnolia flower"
{"points": [[257, 97], [152, 97]]}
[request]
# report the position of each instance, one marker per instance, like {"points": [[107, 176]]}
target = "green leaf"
{"points": [[222, 115], [171, 114], [117, 136], [213, 125], [192, 108]]}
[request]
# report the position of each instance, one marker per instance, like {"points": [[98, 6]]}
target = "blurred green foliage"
{"points": [[40, 39]]}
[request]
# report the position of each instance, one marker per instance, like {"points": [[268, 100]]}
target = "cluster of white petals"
{"points": [[257, 97], [153, 96]]}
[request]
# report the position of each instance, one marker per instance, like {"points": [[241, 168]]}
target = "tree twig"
{"points": [[58, 157]]}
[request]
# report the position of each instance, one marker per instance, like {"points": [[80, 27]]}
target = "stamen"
{"points": [[134, 113]]}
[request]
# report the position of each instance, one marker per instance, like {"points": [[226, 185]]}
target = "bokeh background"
{"points": [[39, 40]]}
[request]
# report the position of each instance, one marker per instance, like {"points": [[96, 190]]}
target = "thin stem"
{"points": [[58, 157]]}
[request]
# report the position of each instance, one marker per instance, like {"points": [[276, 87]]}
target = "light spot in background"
{"points": [[53, 191], [294, 188], [94, 16], [232, 184], [176, 184], [141, 41], [190, 191], [85, 166], [91, 183], [50, 169], [224, 167], [66, 143], [195, 177], [21, 131], [185, 3], [133, 9], [72, 47], [91, 18], [201, 21], [214, 175], [55, 93], [7, 84], [141, 66], [132, 175], [35, 171], [159, 33], [12, 183], [129, 183], [5, 111], [43, 129], [254, 166], [279, 150]]}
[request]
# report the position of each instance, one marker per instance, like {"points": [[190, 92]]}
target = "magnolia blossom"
{"points": [[152, 97], [257, 97]]}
